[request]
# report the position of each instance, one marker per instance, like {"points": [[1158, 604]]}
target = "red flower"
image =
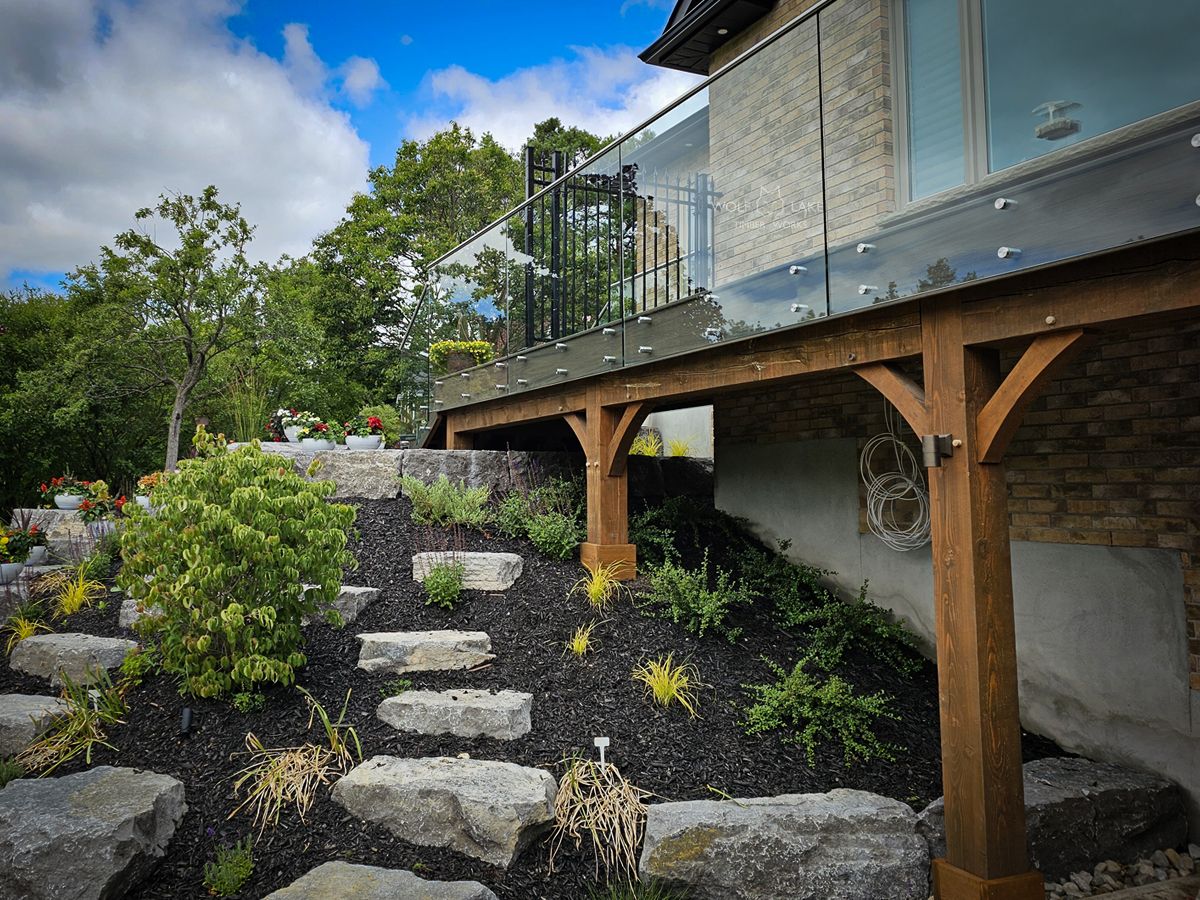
{"points": [[44, 488], [320, 426], [119, 502], [292, 411], [86, 504], [374, 422]]}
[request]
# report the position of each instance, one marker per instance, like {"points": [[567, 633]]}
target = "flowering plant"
{"points": [[14, 546], [37, 537], [100, 504], [316, 429], [64, 484], [274, 427], [290, 417], [148, 483], [363, 426]]}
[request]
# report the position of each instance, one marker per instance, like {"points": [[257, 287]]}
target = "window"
{"points": [[1052, 73]]}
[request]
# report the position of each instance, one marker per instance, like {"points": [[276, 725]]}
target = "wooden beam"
{"points": [[607, 493], [456, 438], [623, 436], [901, 391], [1000, 417], [976, 643], [578, 425]]}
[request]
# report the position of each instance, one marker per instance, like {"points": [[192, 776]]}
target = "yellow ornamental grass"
{"points": [[667, 682], [602, 585]]}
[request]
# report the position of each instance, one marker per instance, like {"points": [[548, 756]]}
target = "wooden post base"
{"points": [[625, 555], [952, 883]]}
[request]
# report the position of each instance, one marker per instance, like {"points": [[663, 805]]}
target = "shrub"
{"points": [[444, 584], [811, 710], [395, 687], [512, 515], [445, 503], [667, 682], [247, 702], [233, 537], [596, 800], [225, 875], [393, 428], [10, 770], [684, 596], [601, 585], [139, 664], [835, 627], [554, 534]]}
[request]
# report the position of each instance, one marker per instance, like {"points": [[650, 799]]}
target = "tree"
{"points": [[176, 308]]}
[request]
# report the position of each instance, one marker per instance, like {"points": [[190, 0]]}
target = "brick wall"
{"points": [[1110, 454]]}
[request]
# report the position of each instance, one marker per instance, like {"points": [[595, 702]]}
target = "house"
{"points": [[982, 216]]}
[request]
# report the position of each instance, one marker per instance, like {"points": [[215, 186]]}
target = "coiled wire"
{"points": [[903, 483]]}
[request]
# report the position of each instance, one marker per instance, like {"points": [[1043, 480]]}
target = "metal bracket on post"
{"points": [[934, 448]]}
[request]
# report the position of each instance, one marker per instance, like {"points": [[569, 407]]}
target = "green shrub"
{"points": [[10, 770], [445, 503], [393, 428], [834, 627], [225, 875], [554, 534], [512, 515], [812, 709], [396, 687], [247, 702], [136, 666], [444, 584], [233, 537], [685, 597]]}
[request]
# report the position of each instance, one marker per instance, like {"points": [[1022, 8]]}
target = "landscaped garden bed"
{"points": [[664, 751]]}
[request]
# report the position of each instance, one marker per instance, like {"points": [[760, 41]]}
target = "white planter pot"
{"points": [[370, 442], [36, 556], [68, 501], [143, 502], [314, 445], [292, 433], [9, 572]]}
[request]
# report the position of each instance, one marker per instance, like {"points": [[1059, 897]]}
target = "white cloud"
{"points": [[104, 105], [361, 79], [606, 91], [652, 4]]}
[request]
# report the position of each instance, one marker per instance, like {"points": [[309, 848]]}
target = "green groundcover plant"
{"points": [[222, 560]]}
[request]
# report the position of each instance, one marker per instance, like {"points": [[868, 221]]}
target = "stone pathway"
{"points": [[335, 880], [465, 713], [79, 656], [23, 717], [481, 571], [398, 652]]}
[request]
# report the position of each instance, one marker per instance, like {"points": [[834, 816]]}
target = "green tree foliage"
{"points": [[233, 537]]}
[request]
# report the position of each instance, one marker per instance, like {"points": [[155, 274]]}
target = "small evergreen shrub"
{"points": [[446, 503], [811, 709], [444, 584], [512, 515], [225, 875], [554, 533], [233, 537], [835, 627], [685, 597], [247, 702]]}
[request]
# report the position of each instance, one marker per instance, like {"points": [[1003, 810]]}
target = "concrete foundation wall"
{"points": [[694, 425], [1101, 633]]}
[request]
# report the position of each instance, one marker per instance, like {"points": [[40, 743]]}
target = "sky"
{"points": [[283, 104]]}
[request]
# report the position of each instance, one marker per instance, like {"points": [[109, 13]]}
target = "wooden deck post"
{"points": [[455, 439]]}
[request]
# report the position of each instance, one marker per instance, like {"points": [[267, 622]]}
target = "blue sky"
{"points": [[106, 104]]}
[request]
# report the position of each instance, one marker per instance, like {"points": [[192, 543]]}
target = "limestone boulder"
{"points": [[87, 836], [341, 880], [489, 810], [351, 599], [79, 656], [844, 845], [23, 717], [398, 652], [463, 712], [1078, 811], [366, 474], [481, 571]]}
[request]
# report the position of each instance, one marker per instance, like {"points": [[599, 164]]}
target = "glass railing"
{"points": [[767, 198]]}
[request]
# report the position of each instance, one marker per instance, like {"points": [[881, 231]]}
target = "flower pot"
{"points": [[68, 501], [314, 445], [292, 433], [143, 502], [9, 572], [36, 557], [359, 442], [456, 361]]}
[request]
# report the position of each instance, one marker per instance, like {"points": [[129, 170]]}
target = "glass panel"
{"points": [[1062, 72], [933, 70]]}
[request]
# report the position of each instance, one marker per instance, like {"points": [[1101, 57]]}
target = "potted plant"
{"points": [[364, 433], [294, 422], [454, 356], [145, 486], [316, 436], [37, 546], [99, 510], [14, 547], [65, 492]]}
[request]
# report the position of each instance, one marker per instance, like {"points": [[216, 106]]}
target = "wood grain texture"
{"points": [[626, 431], [901, 391], [950, 883]]}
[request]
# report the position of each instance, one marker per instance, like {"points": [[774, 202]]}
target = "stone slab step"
{"points": [[464, 713], [91, 835], [351, 599], [80, 656], [489, 810], [339, 880], [1174, 889], [423, 651], [481, 571], [23, 717]]}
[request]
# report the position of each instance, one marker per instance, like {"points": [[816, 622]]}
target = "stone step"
{"points": [[78, 655], [464, 713], [489, 810], [336, 880], [481, 571], [423, 651], [23, 717], [351, 600], [85, 836]]}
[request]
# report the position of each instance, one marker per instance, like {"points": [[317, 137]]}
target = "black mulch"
{"points": [[662, 751]]}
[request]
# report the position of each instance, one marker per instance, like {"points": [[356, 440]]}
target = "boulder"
{"points": [[23, 717], [488, 810], [481, 571], [844, 845], [130, 615], [86, 836], [1078, 811], [340, 880], [351, 599], [80, 656], [366, 474], [462, 712], [423, 651], [498, 470], [67, 535]]}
